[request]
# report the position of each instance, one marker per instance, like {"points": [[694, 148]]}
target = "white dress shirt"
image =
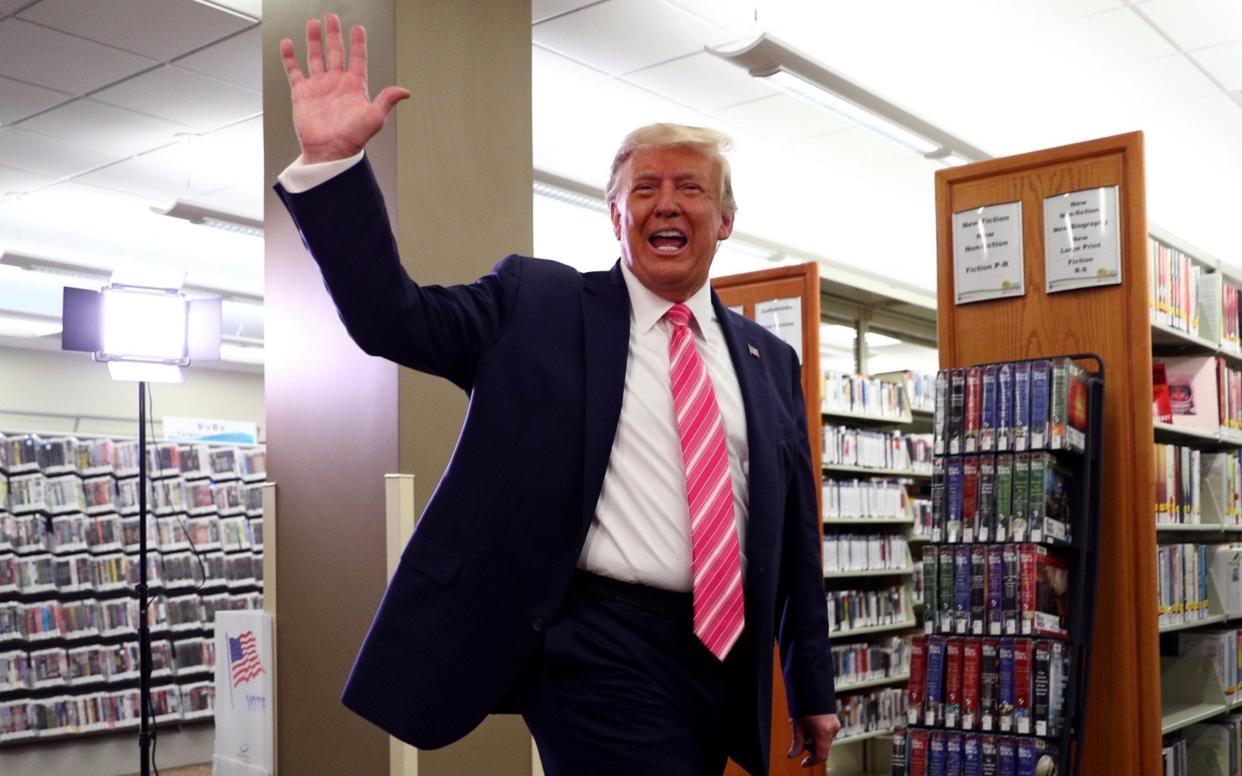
{"points": [[641, 530]]}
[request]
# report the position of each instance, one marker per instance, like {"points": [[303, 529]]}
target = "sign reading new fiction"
{"points": [[987, 253]]}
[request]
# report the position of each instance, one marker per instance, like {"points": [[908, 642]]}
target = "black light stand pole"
{"points": [[144, 631]]}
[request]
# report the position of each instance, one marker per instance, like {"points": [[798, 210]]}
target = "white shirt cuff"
{"points": [[300, 176]]}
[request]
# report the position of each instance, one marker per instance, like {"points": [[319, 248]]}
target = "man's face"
{"points": [[667, 216]]}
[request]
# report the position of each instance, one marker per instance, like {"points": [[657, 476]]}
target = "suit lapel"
{"points": [[760, 524], [606, 336]]}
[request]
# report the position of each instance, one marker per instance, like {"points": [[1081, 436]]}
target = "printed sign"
{"points": [[783, 317], [987, 253], [1082, 240], [203, 430]]}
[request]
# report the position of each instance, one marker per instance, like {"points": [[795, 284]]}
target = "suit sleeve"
{"points": [[441, 330], [806, 658]]}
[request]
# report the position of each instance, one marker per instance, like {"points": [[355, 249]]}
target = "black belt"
{"points": [[665, 603]]}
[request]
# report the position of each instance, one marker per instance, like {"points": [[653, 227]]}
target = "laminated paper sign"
{"points": [[987, 253], [1082, 242], [783, 317], [244, 701]]}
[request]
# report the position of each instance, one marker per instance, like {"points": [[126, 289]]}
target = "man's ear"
{"points": [[615, 214], [726, 227]]}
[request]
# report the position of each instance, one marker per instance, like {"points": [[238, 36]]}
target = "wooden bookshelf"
{"points": [[1122, 726]]}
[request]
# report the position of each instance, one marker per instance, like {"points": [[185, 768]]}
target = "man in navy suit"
{"points": [[629, 520]]}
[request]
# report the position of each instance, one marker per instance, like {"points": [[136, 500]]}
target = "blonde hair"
{"points": [[710, 142]]}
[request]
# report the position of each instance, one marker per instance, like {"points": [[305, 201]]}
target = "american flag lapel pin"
{"points": [[754, 351]]}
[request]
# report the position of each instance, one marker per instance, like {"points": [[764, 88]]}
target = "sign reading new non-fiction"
{"points": [[1082, 240], [987, 253]]}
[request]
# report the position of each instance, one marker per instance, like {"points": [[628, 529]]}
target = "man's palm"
{"points": [[333, 114]]}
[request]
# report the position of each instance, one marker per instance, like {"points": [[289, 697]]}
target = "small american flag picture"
{"points": [[244, 664]]}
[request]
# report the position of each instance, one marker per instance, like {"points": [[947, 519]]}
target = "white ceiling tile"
{"points": [[250, 130], [1196, 23], [240, 199], [160, 29], [105, 127], [552, 74], [782, 118], [19, 100], [15, 181], [182, 96], [739, 16], [47, 155], [546, 9], [251, 8], [238, 60], [1223, 62], [1109, 39], [619, 36], [853, 149], [53, 59], [187, 169], [1192, 120], [703, 81], [9, 6]]}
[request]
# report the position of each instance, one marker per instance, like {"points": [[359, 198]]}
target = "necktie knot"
{"points": [[679, 315]]}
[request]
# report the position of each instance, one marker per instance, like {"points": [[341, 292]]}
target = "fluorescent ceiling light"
{"points": [[569, 197], [826, 100], [19, 325], [801, 76], [836, 336], [206, 216]]}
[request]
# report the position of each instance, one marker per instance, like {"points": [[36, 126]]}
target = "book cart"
{"points": [[999, 682]]}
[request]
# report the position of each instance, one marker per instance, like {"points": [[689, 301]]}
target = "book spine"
{"points": [[957, 411], [931, 586], [1027, 587], [918, 676], [1021, 406], [1042, 686], [988, 762], [936, 755], [995, 613], [985, 525], [1021, 498], [971, 763], [1051, 615], [933, 695], [939, 500], [953, 495], [1004, 408], [988, 408], [1058, 674], [961, 590], [1006, 756], [974, 400], [978, 588], [970, 498], [1027, 756], [953, 754], [898, 760], [1005, 686], [971, 672], [1022, 660], [920, 742], [1038, 436], [1011, 587], [989, 680], [940, 421], [953, 682], [1004, 496], [944, 623]]}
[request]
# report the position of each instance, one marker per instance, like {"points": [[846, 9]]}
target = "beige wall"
{"points": [[67, 392]]}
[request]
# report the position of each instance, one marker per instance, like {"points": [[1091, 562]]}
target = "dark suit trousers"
{"points": [[623, 687]]}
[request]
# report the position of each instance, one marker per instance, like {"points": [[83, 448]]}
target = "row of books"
{"points": [[99, 534], [1007, 685], [1004, 497], [851, 552], [854, 663], [859, 499], [60, 455], [32, 574], [854, 609], [64, 493], [920, 389], [862, 395], [1182, 574], [96, 663], [1012, 407], [1175, 282], [1212, 747], [1229, 388], [994, 590], [893, 450], [1179, 482], [120, 710], [936, 753], [1231, 316], [866, 712], [89, 618]]}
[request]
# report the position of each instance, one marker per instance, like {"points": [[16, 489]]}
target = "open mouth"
{"points": [[668, 240]]}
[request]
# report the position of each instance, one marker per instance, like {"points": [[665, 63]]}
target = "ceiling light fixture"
{"points": [[101, 275], [206, 216], [798, 75], [27, 325]]}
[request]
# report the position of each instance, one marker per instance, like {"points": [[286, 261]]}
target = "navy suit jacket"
{"points": [[541, 350]]}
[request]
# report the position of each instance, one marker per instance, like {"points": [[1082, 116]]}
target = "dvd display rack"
{"points": [[877, 463], [999, 677], [69, 532]]}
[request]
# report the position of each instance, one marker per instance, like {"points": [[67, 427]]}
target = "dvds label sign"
{"points": [[987, 253]]}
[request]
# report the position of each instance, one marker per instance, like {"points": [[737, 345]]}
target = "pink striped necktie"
{"points": [[715, 556]]}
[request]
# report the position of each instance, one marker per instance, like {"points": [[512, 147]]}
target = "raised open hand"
{"points": [[333, 113]]}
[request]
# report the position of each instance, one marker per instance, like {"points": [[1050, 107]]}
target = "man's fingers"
{"points": [[290, 59], [336, 46], [799, 740], [314, 48], [389, 97], [358, 51]]}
